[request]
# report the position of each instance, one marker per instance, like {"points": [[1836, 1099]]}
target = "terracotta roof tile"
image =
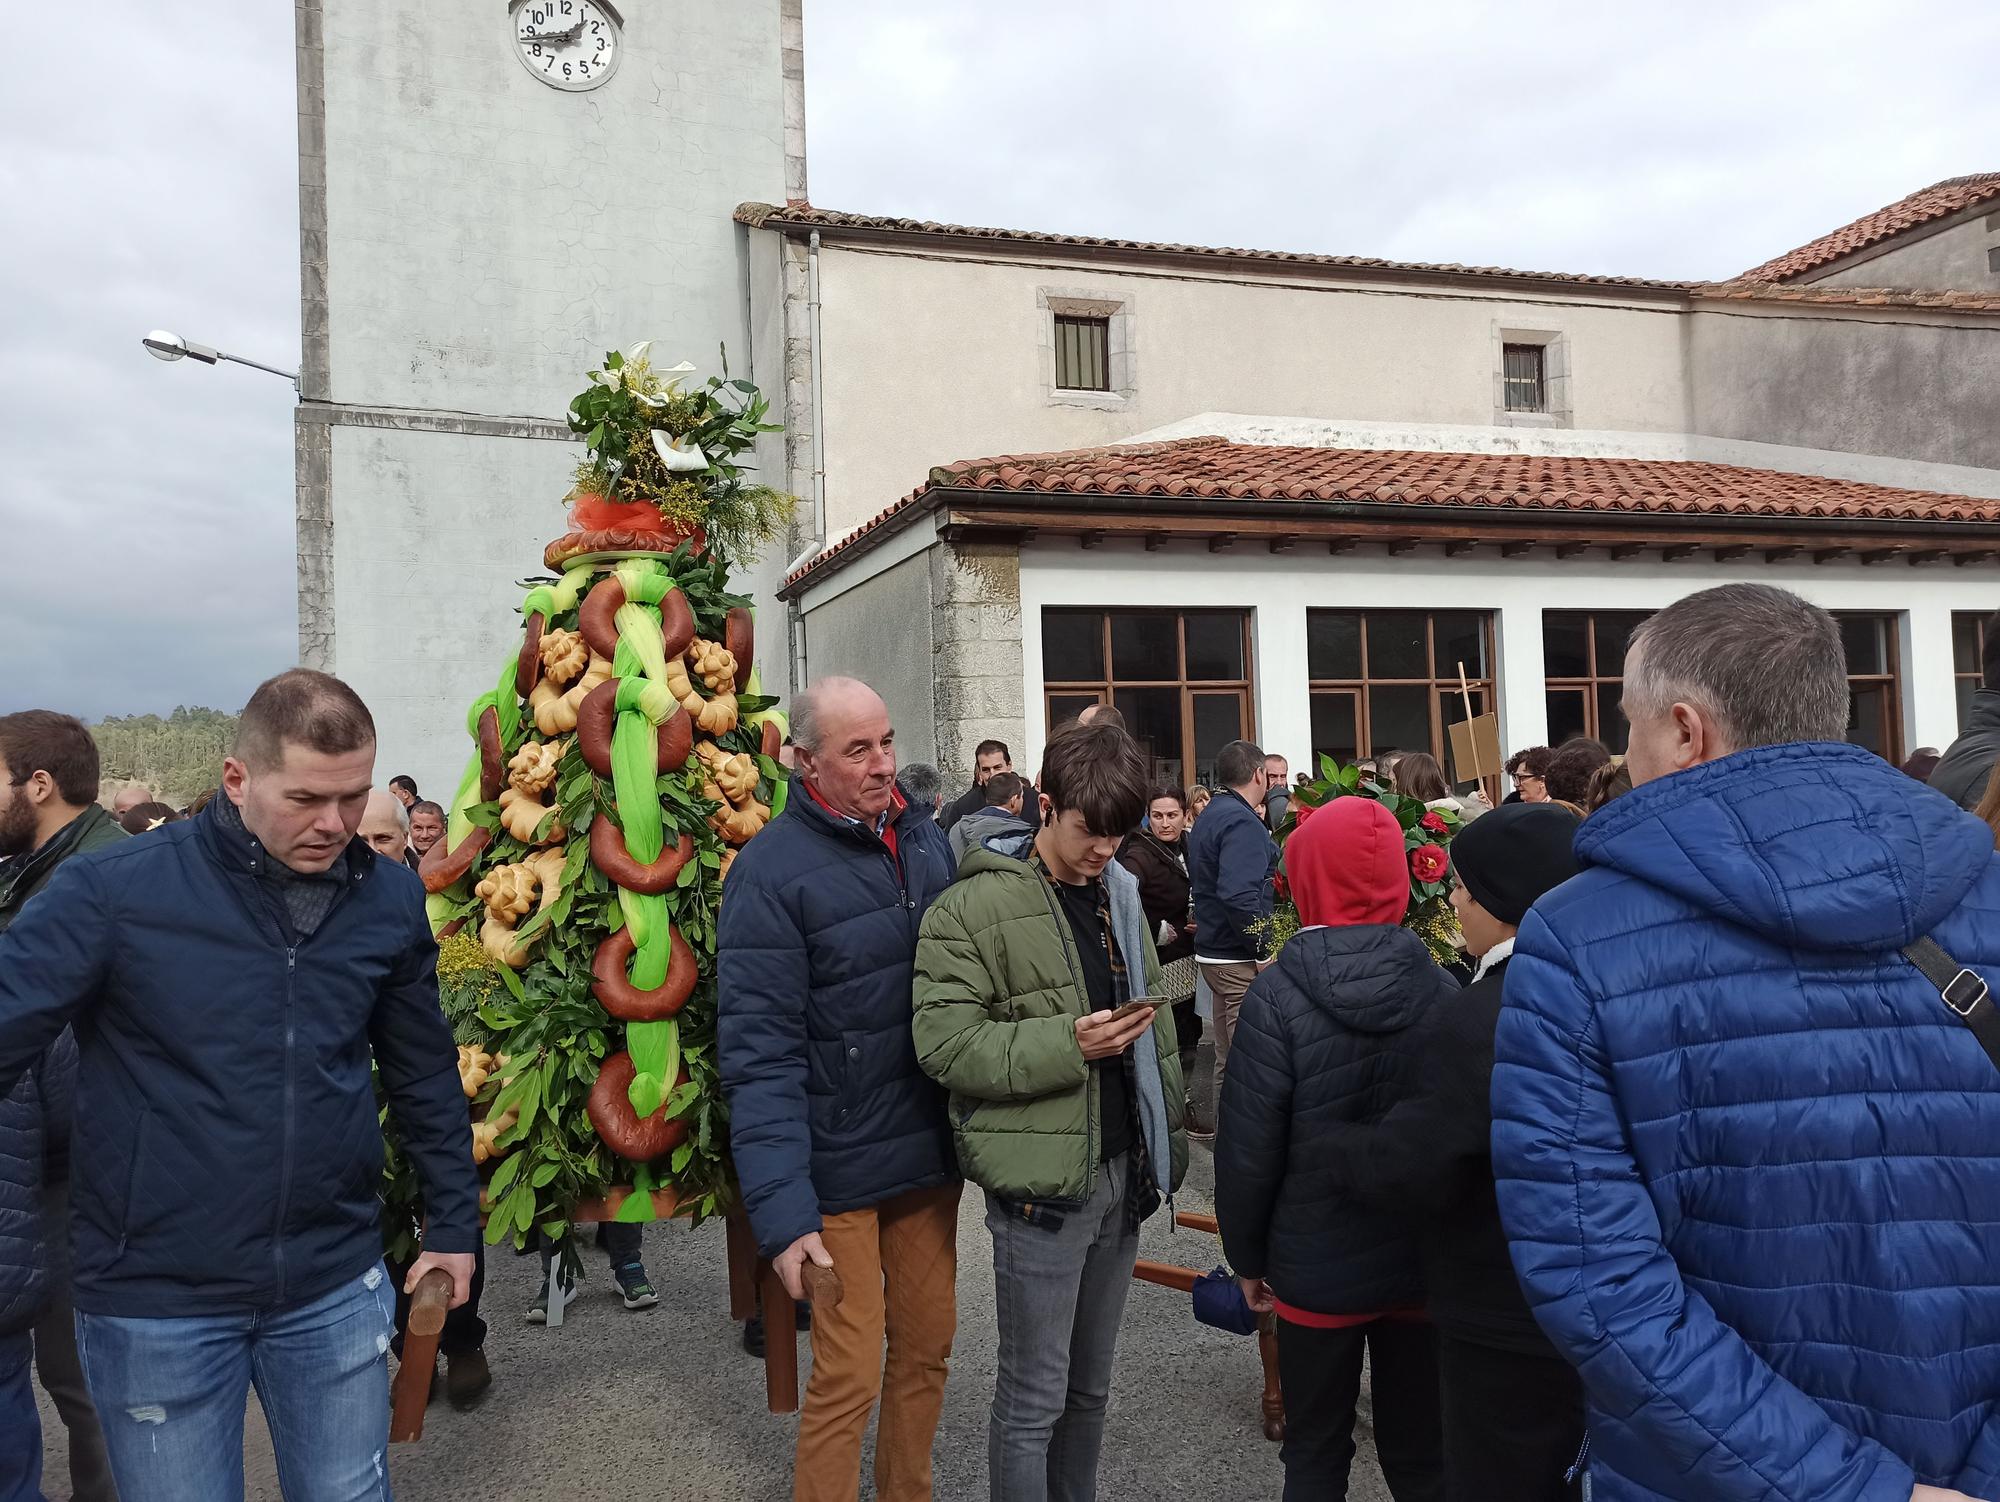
{"points": [[1542, 483], [1921, 207], [805, 216]]}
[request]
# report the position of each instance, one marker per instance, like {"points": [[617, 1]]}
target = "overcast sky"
{"points": [[146, 510]]}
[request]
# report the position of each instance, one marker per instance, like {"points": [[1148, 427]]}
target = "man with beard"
{"points": [[49, 812]]}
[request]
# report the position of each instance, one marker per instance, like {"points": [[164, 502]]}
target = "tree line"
{"points": [[177, 757]]}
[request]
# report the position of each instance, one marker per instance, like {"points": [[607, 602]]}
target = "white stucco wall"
{"points": [[1278, 590], [930, 359], [490, 237]]}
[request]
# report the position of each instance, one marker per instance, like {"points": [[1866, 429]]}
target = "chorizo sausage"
{"points": [[618, 1125], [442, 868], [609, 855], [613, 987], [599, 712]]}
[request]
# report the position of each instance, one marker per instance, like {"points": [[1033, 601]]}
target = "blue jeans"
{"points": [[20, 1422], [171, 1393]]}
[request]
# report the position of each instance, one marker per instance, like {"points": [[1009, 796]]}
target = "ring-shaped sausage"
{"points": [[528, 666], [443, 868], [492, 756], [771, 740], [612, 985], [739, 635], [597, 616], [619, 1126], [598, 713], [609, 855]]}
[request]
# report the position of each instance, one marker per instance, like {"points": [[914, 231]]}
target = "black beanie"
{"points": [[1510, 857]]}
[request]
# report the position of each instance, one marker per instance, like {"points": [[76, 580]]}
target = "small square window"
{"points": [[1083, 352], [1523, 384]]}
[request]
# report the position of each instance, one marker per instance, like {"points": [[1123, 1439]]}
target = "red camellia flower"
{"points": [[1429, 863], [1434, 822], [1284, 887]]}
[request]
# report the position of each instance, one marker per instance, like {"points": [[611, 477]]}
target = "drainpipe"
{"points": [[795, 632]]}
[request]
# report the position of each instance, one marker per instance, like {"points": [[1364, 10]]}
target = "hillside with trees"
{"points": [[177, 756]]}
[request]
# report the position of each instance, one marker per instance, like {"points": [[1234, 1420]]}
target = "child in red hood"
{"points": [[1324, 1040]]}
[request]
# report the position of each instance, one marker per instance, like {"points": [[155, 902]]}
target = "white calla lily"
{"points": [[638, 351], [680, 455], [679, 373]]}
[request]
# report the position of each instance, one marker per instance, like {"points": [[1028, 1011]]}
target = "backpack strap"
{"points": [[1964, 993]]}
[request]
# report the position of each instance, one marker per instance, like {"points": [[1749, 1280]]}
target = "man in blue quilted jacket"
{"points": [[1745, 1153], [840, 1140], [230, 978]]}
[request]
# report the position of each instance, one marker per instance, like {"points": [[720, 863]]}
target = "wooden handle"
{"points": [[822, 1285], [411, 1393], [430, 1303]]}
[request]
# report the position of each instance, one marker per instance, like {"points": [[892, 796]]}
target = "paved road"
{"points": [[664, 1404]]}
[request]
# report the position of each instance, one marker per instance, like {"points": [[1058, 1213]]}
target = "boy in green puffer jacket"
{"points": [[1065, 1109]]}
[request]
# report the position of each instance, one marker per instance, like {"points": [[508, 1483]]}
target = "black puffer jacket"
{"points": [[1968, 761], [34, 1128], [1325, 1039]]}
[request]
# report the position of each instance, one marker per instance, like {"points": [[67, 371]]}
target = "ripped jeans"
{"points": [[170, 1394]]}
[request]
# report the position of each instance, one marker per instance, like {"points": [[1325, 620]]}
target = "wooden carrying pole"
{"points": [[1491, 791], [411, 1393]]}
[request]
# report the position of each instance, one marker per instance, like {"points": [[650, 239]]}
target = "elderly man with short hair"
{"points": [[385, 825], [1744, 1112], [841, 1142]]}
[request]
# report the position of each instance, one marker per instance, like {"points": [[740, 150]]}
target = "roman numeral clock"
{"points": [[567, 44]]}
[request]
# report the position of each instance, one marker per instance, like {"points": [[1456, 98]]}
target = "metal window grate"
{"points": [[1523, 384], [1083, 353]]}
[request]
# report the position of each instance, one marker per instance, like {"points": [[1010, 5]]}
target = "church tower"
{"points": [[493, 193]]}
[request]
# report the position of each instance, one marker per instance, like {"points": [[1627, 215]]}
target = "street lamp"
{"points": [[162, 345]]}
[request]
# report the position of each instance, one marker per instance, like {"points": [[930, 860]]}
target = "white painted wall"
{"points": [[934, 358], [1278, 590]]}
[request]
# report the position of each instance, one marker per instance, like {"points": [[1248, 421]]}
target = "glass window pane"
{"points": [[1153, 716], [1866, 639], [1215, 645], [1065, 707], [1451, 711], [1965, 688], [1399, 717], [1145, 648], [1613, 628], [1563, 645], [1565, 714], [1333, 644], [1611, 726], [1396, 647], [1218, 720], [1964, 642], [1072, 646], [1333, 728], [1867, 713], [1461, 638]]}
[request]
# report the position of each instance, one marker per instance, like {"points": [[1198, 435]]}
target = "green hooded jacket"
{"points": [[999, 987], [26, 875]]}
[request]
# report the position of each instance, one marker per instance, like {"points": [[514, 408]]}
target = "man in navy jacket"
{"points": [[1744, 1151], [229, 979], [840, 1140], [1231, 860]]}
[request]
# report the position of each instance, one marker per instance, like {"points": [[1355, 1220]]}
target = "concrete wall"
{"points": [[1278, 590], [1913, 387], [490, 237], [1953, 259], [931, 359], [425, 580], [881, 632]]}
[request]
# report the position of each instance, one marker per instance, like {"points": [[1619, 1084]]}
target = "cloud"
{"points": [[147, 509]]}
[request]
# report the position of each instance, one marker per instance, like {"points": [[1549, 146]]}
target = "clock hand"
{"points": [[556, 38]]}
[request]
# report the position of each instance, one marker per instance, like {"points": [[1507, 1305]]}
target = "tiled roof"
{"points": [[1921, 207], [804, 216], [1217, 470]]}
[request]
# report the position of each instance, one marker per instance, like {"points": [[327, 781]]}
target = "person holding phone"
{"points": [[1038, 1008]]}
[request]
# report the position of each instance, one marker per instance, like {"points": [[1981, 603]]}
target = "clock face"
{"points": [[569, 44]]}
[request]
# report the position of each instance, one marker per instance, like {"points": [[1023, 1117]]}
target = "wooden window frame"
{"points": [[1443, 689], [1892, 648], [1105, 689], [1095, 328], [1592, 680], [1975, 678]]}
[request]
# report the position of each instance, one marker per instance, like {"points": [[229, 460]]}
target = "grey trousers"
{"points": [[61, 1373], [1061, 1294]]}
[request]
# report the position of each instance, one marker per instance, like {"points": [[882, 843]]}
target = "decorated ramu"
{"points": [[621, 758]]}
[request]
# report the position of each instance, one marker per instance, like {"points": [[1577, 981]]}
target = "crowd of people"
{"points": [[1680, 1185]]}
